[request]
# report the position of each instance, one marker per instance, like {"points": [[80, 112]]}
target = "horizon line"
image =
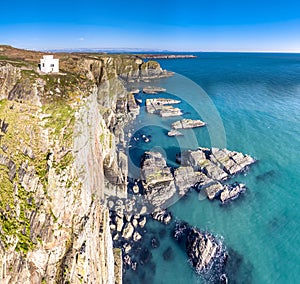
{"points": [[138, 49], [110, 50], [99, 49]]}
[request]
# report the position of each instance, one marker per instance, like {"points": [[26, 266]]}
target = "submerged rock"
{"points": [[155, 242], [145, 256], [180, 231], [168, 254]]}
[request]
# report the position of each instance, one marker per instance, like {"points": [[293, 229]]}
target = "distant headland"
{"points": [[166, 56]]}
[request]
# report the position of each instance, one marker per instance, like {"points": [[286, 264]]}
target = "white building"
{"points": [[49, 64]]}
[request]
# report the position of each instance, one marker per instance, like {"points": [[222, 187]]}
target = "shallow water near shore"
{"points": [[257, 99]]}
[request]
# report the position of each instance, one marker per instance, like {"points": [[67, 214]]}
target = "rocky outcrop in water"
{"points": [[187, 123], [153, 90], [173, 133], [203, 249], [158, 180], [203, 169], [161, 106], [205, 252]]}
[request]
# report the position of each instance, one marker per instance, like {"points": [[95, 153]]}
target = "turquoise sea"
{"points": [[251, 103]]}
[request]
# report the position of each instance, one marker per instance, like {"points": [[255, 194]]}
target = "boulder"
{"points": [[154, 169], [135, 223], [135, 189], [127, 248], [137, 236], [232, 192], [128, 231], [127, 259], [143, 210], [116, 237], [162, 215], [128, 217], [212, 191], [129, 205], [142, 222], [119, 223]]}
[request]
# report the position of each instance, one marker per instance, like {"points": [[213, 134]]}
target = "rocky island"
{"points": [[152, 90]]}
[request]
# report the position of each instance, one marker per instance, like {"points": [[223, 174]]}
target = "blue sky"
{"points": [[204, 25]]}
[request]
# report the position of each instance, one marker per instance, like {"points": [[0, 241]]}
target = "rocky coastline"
{"points": [[64, 163], [160, 185], [65, 175]]}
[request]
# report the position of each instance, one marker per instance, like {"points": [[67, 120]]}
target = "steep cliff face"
{"points": [[53, 226], [58, 161]]}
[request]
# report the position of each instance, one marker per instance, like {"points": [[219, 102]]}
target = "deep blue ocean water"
{"points": [[251, 103]]}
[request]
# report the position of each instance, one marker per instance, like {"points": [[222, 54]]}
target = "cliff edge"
{"points": [[59, 161]]}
